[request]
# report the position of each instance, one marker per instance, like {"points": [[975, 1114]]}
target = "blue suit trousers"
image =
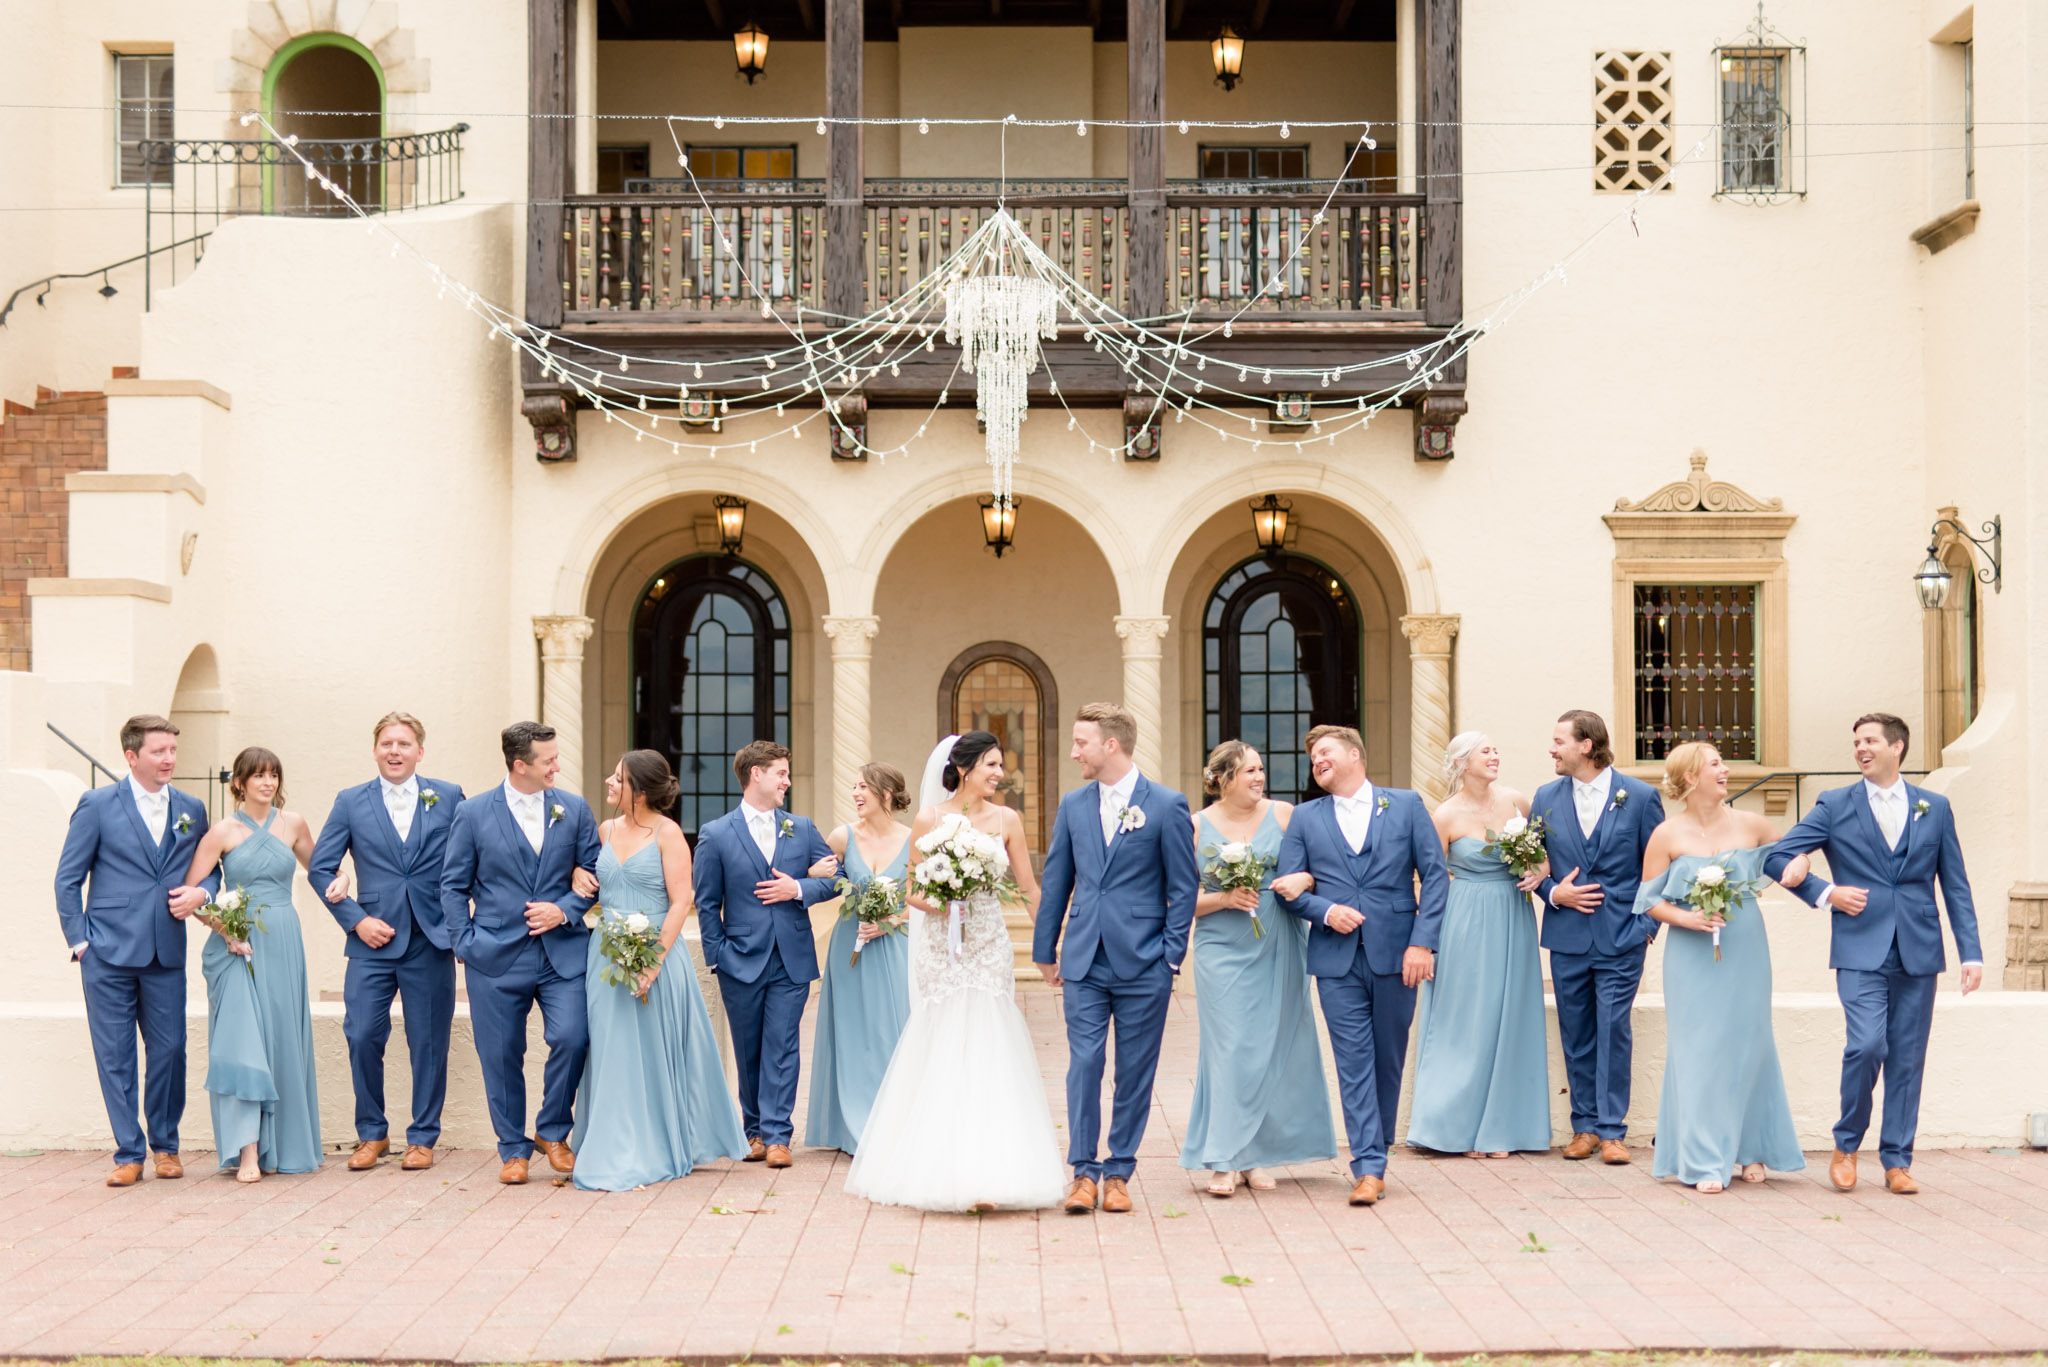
{"points": [[121, 1002], [766, 1017], [426, 976], [498, 1008], [1595, 995], [1136, 1007], [1368, 1015], [1890, 1014]]}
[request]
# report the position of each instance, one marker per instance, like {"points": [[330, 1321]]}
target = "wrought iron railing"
{"points": [[215, 782], [1796, 807], [193, 184]]}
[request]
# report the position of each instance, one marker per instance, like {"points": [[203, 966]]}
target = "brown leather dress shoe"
{"points": [[418, 1158], [125, 1175], [1899, 1182], [756, 1150], [1842, 1171], [169, 1165], [778, 1156], [1582, 1146], [559, 1157], [1368, 1191], [513, 1174], [1116, 1196], [1614, 1151], [1080, 1197], [367, 1153]]}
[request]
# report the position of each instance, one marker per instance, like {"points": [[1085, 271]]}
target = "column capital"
{"points": [[562, 636], [1141, 635], [1430, 633], [851, 636]]}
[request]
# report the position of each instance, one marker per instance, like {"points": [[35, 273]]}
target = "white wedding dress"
{"points": [[961, 1117]]}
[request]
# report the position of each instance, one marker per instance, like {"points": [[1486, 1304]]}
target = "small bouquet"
{"points": [[1519, 845], [877, 901], [630, 944], [1235, 864], [1713, 895], [237, 917], [960, 861]]}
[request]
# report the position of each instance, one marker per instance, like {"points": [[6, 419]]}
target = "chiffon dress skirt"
{"points": [[653, 1104], [260, 1082], [1724, 1104], [862, 1008], [1482, 1065], [1261, 1100]]}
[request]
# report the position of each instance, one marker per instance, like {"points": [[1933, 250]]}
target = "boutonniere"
{"points": [[788, 828], [556, 812], [1620, 800], [428, 797], [184, 822], [1381, 804], [1131, 819], [1921, 809]]}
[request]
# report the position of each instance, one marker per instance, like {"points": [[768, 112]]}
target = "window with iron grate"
{"points": [[1696, 668], [144, 98]]}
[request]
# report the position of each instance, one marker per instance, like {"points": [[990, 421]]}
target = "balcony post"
{"points": [[1147, 56], [1442, 146], [845, 256], [546, 402]]}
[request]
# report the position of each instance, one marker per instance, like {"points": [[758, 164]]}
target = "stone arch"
{"points": [[372, 24]]}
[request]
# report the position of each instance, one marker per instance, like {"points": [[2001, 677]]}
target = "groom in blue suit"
{"points": [[1121, 880], [1888, 845], [754, 891], [511, 853], [395, 827], [1375, 914], [1597, 823], [122, 907]]}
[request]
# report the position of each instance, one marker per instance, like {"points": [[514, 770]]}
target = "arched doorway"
{"points": [[1003, 689], [1280, 654], [328, 91], [711, 655]]}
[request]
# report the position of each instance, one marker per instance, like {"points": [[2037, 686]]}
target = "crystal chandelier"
{"points": [[997, 319]]}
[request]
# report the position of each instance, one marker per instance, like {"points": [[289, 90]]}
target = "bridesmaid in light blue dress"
{"points": [[260, 1081], [1261, 1100], [653, 1104], [862, 1006], [1724, 1107], [1482, 1066]]}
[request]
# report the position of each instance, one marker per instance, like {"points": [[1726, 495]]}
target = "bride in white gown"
{"points": [[961, 1122]]}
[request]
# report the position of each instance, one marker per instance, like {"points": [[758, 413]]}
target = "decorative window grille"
{"points": [[1761, 76], [1632, 121], [143, 96], [1696, 668]]}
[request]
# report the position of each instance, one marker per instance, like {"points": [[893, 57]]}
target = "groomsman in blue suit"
{"points": [[511, 853], [1888, 846], [1375, 914], [1121, 880], [754, 891], [1597, 824], [395, 827], [122, 907]]}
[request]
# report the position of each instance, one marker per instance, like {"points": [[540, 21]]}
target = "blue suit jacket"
{"points": [[1901, 882], [488, 861], [114, 886], [1401, 846], [1613, 858], [736, 925], [399, 884], [1131, 900]]}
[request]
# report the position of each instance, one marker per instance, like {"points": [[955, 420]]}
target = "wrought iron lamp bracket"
{"points": [[1992, 544]]}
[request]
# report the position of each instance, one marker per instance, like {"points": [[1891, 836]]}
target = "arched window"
{"points": [[710, 673], [1003, 689], [327, 90], [1280, 641], [1958, 653]]}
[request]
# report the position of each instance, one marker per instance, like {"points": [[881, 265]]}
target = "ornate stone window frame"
{"points": [[1699, 530]]}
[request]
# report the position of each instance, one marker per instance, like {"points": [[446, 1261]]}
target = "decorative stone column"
{"points": [[561, 688], [1141, 637], [2026, 938], [852, 705], [1429, 704]]}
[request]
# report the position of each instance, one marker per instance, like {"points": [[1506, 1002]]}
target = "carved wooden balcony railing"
{"points": [[1234, 247]]}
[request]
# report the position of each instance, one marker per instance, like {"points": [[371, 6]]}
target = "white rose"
{"points": [[1514, 825], [1234, 852], [233, 900], [637, 923], [1710, 876]]}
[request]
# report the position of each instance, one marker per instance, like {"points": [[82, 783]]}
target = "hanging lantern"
{"points": [[1932, 580], [732, 522], [1269, 523], [1226, 51], [999, 522], [750, 50]]}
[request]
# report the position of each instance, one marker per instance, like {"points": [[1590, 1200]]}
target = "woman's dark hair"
{"points": [[967, 752], [251, 762], [648, 774], [886, 782]]}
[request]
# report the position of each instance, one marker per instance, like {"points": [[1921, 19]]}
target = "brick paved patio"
{"points": [[449, 1265]]}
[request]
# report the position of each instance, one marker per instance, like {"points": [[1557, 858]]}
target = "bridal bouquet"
{"points": [[1519, 845], [1713, 896], [876, 901], [1235, 864], [630, 945], [958, 862], [237, 917]]}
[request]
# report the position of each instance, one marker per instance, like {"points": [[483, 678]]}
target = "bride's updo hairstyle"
{"points": [[1458, 755], [1682, 768], [967, 752]]}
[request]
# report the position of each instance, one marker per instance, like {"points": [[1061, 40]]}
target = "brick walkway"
{"points": [[449, 1265]]}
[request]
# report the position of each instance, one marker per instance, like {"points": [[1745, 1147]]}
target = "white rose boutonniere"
{"points": [[1921, 808], [184, 822], [1382, 804], [428, 797], [1620, 798], [556, 811], [1131, 819], [788, 828]]}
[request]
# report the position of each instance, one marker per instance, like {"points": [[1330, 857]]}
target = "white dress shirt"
{"points": [[530, 811], [760, 825], [1115, 798], [1354, 816], [399, 800], [155, 809], [1590, 799]]}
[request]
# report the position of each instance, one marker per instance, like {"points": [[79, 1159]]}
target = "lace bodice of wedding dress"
{"points": [[985, 961]]}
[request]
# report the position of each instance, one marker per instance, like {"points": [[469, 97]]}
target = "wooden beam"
{"points": [[1442, 147], [808, 11], [547, 156], [1145, 45], [845, 254]]}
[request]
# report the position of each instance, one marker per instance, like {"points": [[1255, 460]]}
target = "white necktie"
{"points": [[1887, 807], [764, 835], [1589, 808], [399, 803], [1352, 816], [1112, 812], [154, 812], [530, 821]]}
